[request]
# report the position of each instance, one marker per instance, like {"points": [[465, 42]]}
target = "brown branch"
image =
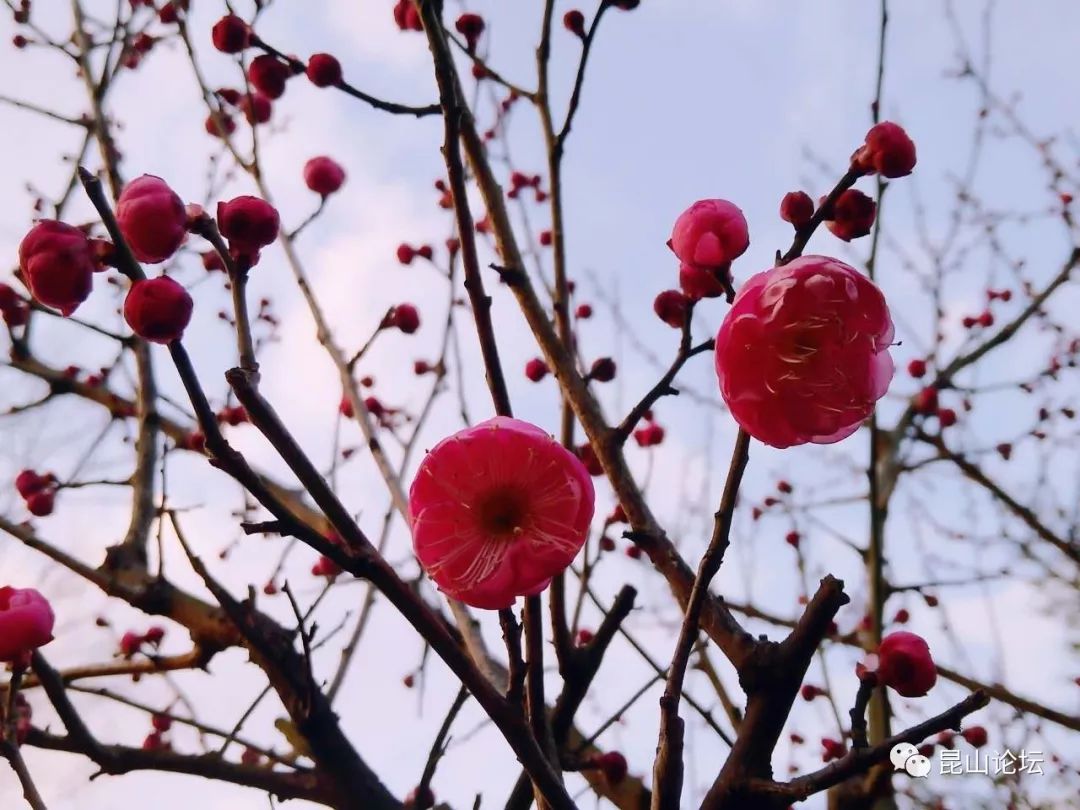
{"points": [[453, 110], [297, 66], [668, 767], [860, 760], [1026, 515]]}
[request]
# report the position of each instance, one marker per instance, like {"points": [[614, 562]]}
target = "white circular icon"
{"points": [[906, 757]]}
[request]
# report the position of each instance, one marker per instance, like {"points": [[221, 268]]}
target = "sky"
{"points": [[684, 99]]}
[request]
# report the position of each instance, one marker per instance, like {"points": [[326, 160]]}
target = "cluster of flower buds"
{"points": [[132, 643], [38, 491], [519, 182]]}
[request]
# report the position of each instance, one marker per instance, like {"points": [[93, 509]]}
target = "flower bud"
{"points": [[26, 622], [710, 233], [158, 309], [470, 26], [407, 16], [574, 22], [323, 175], [57, 264], [249, 223], [888, 151], [231, 34], [905, 665], [268, 75], [851, 216], [406, 318], [256, 108], [797, 208], [703, 282], [536, 369], [323, 70], [975, 736], [672, 307], [603, 370], [152, 218]]}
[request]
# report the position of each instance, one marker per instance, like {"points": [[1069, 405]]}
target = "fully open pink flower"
{"points": [[803, 353], [498, 509], [26, 622]]}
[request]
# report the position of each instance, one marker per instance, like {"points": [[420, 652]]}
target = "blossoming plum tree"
{"points": [[502, 526]]}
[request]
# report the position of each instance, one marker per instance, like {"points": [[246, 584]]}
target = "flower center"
{"points": [[503, 511]]}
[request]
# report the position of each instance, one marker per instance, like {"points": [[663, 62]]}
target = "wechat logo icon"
{"points": [[906, 757]]}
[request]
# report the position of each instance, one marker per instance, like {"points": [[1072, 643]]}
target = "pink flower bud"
{"points": [[975, 736], [574, 22], [946, 417], [536, 369], [498, 510], [888, 151], [231, 34], [152, 218], [603, 370], [583, 312], [57, 265], [917, 368], [405, 253], [249, 223], [710, 233], [672, 307], [9, 299], [155, 635], [158, 309], [227, 125], [26, 622], [29, 482], [832, 749], [470, 26], [130, 643], [325, 567], [170, 12], [612, 764], [323, 175], [926, 401], [797, 208], [851, 216], [803, 353], [905, 665], [703, 282], [268, 75], [406, 318], [650, 435], [407, 16], [583, 637], [256, 108], [323, 70]]}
